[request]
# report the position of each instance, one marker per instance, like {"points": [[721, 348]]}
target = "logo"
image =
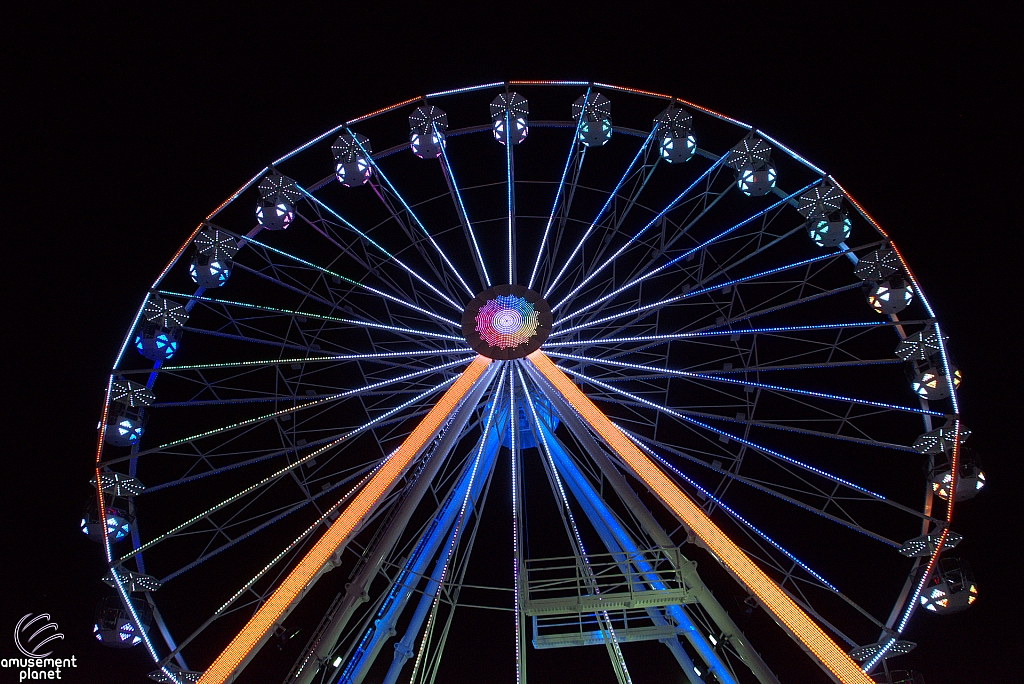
{"points": [[26, 623], [32, 634]]}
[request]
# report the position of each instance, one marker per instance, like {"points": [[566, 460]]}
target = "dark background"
{"points": [[124, 129]]}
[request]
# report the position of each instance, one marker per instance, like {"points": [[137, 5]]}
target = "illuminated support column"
{"points": [[248, 641], [474, 475], [617, 540], [730, 631], [356, 590], [786, 612], [404, 647]]}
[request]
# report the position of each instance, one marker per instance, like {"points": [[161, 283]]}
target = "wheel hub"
{"points": [[507, 322]]}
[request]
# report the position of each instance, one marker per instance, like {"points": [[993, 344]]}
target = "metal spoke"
{"points": [[467, 225], [380, 174], [354, 283], [336, 319], [576, 151], [369, 240], [647, 309], [295, 409], [757, 447], [743, 383], [636, 236], [611, 196]]}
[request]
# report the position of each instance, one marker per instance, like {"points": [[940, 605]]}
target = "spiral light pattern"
{"points": [[507, 321]]}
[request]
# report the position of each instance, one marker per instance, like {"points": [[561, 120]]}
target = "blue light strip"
{"points": [[607, 525], [465, 215], [440, 529], [558, 193], [694, 293], [312, 142], [289, 312], [687, 253], [790, 152], [721, 333], [611, 196], [744, 383], [756, 447], [380, 174], [606, 626], [511, 195], [640, 232], [385, 295], [878, 656], [949, 377], [516, 506], [444, 526], [131, 331], [373, 242]]}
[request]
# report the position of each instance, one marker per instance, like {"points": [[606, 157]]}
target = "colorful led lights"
{"points": [[506, 322]]}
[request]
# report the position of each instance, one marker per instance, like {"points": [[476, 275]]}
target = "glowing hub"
{"points": [[506, 322]]}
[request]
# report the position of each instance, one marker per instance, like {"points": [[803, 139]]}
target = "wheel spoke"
{"points": [[760, 449], [636, 236], [742, 383], [377, 246], [611, 196], [336, 319], [576, 151], [444, 257], [467, 225]]}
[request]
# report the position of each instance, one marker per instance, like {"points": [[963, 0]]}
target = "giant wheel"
{"points": [[701, 366]]}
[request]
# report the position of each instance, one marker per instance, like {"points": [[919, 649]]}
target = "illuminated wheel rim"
{"points": [[729, 348]]}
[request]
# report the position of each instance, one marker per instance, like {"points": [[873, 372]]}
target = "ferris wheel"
{"points": [[529, 381]]}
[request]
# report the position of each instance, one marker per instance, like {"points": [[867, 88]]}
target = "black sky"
{"points": [[124, 130]]}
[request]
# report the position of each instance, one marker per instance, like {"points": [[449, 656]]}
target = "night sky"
{"points": [[124, 131]]}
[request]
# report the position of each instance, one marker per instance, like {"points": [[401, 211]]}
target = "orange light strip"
{"points": [[825, 651], [232, 658], [554, 83], [372, 114], [860, 207], [633, 90]]}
